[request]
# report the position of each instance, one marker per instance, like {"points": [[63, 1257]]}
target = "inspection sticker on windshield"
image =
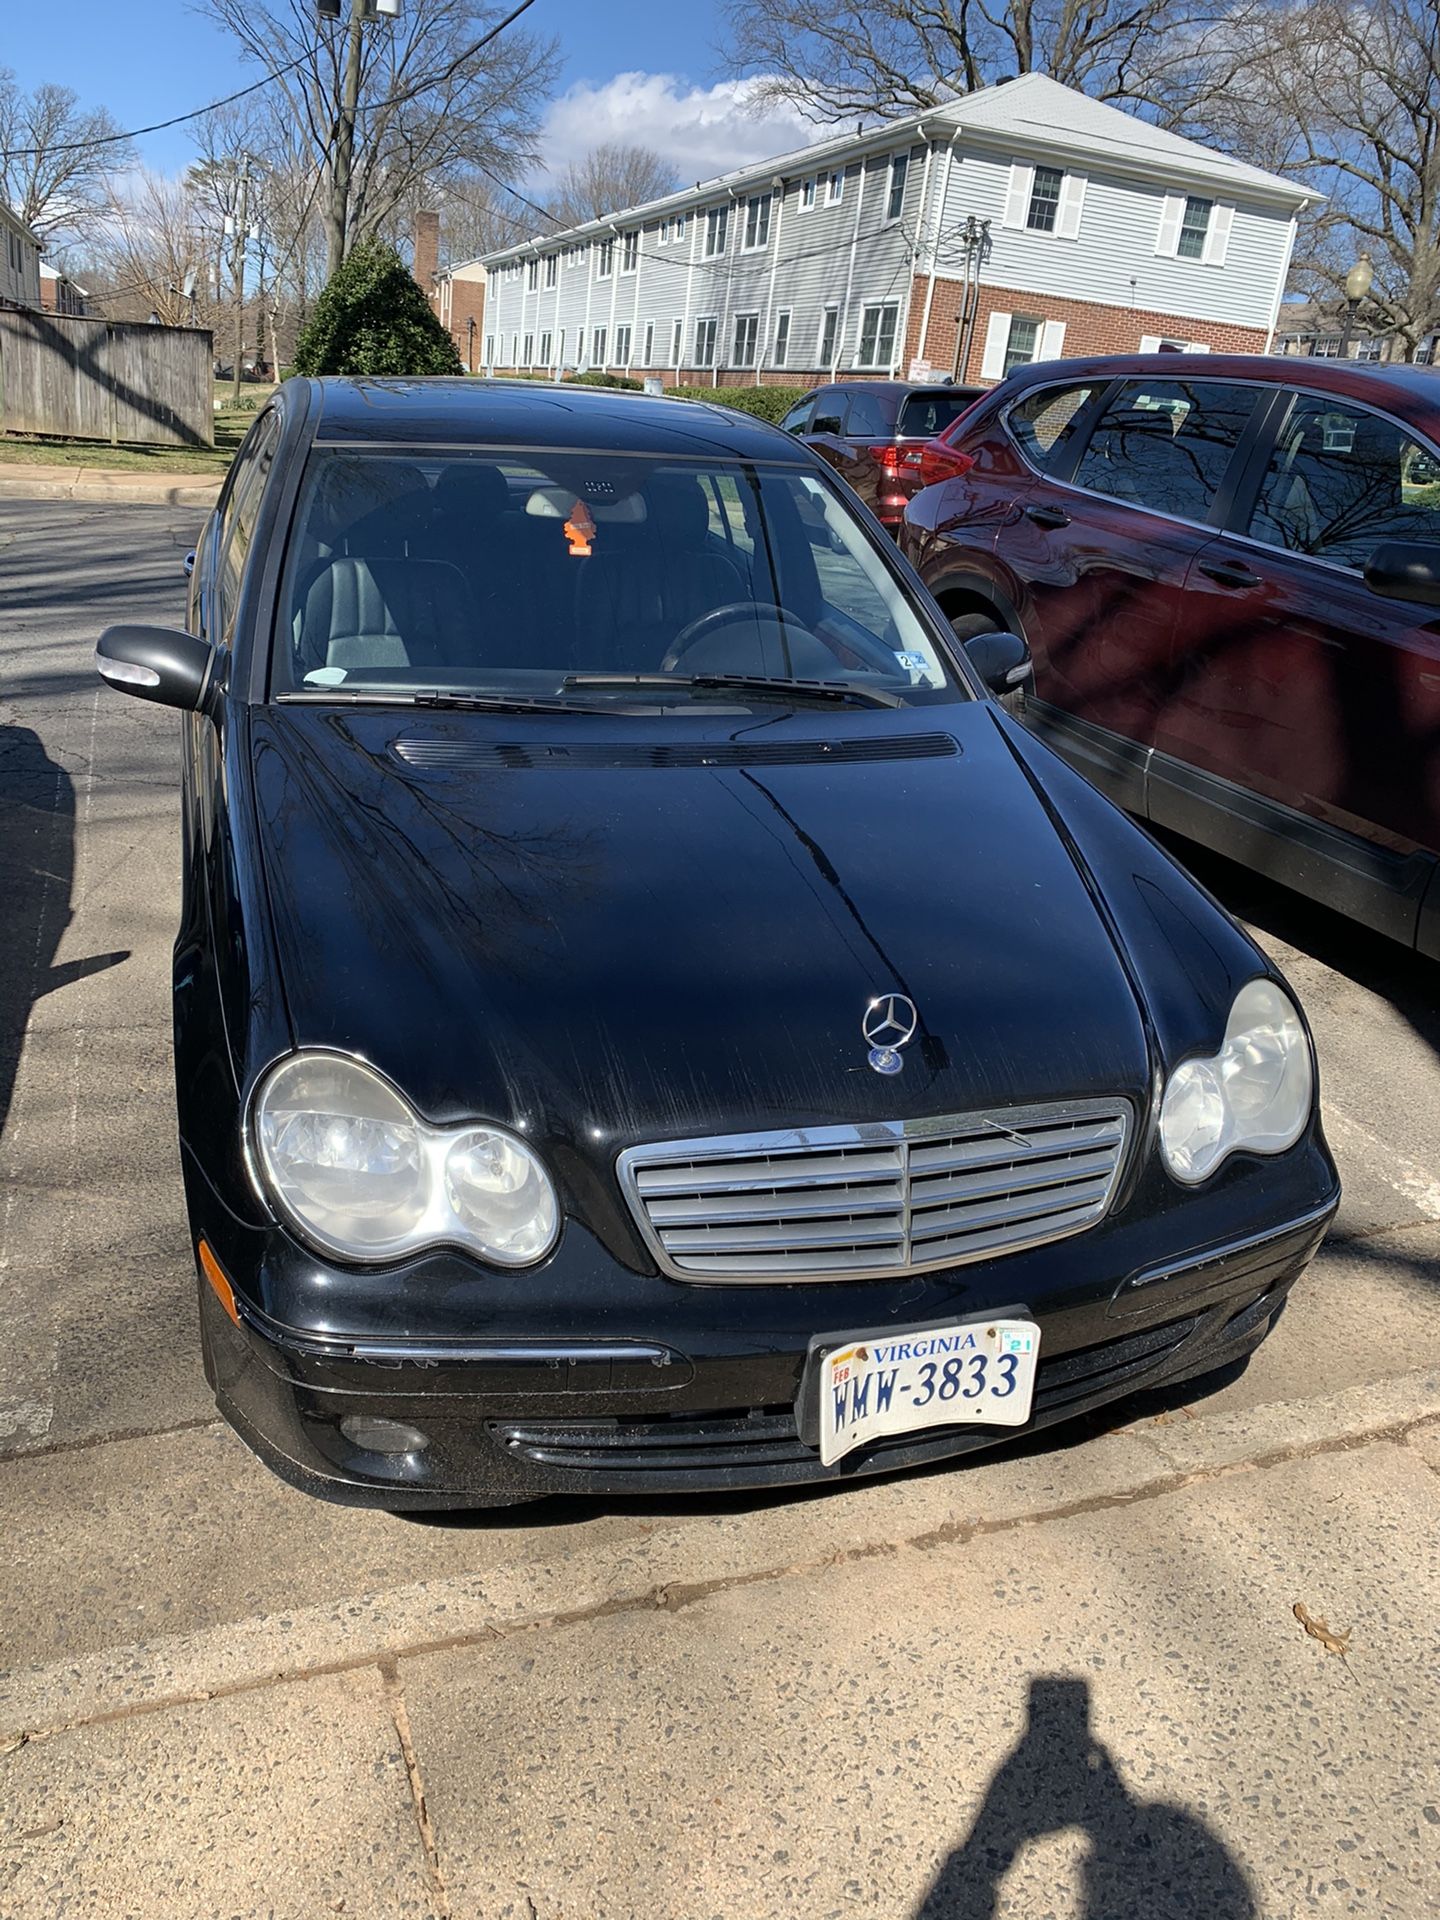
{"points": [[912, 662], [978, 1372]]}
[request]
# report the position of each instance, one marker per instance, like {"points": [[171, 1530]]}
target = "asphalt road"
{"points": [[1066, 1678]]}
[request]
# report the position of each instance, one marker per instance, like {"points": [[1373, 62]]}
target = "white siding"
{"points": [[1113, 258]]}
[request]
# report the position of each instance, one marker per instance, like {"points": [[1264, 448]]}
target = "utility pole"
{"points": [[338, 214], [237, 268]]}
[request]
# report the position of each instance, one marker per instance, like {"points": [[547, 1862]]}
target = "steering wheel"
{"points": [[731, 614]]}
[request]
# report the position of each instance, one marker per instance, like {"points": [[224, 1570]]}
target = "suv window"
{"points": [[870, 413], [1166, 444], [1043, 423], [924, 415], [797, 420], [1340, 480], [829, 411]]}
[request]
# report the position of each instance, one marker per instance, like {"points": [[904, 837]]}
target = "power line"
{"points": [[136, 133], [275, 73]]}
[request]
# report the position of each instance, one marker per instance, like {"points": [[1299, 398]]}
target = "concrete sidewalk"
{"points": [[1067, 1684], [112, 484]]}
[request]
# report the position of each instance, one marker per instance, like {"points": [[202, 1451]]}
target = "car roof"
{"points": [[1383, 383], [479, 412], [904, 387]]}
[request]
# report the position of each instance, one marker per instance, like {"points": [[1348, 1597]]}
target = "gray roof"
{"points": [[1034, 113]]}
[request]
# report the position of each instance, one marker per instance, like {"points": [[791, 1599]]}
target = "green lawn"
{"points": [[230, 429]]}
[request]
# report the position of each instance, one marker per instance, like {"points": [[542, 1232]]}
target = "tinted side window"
{"points": [[1341, 480], [1044, 423], [237, 528], [1166, 444], [870, 413], [797, 420], [829, 411]]}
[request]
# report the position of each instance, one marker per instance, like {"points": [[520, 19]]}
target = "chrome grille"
{"points": [[837, 1203]]}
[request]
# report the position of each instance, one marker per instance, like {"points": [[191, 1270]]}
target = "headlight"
{"points": [[1256, 1092], [350, 1164]]}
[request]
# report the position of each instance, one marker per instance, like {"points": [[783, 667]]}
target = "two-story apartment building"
{"points": [[19, 263], [1015, 224]]}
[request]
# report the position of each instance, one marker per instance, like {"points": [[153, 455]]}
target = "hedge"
{"points": [[770, 403]]}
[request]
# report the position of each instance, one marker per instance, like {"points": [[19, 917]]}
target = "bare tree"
{"points": [[880, 58], [152, 248], [1345, 95], [610, 177], [429, 104], [51, 172]]}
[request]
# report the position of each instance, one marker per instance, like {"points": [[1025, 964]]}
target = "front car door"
{"points": [[1132, 478], [1310, 704]]}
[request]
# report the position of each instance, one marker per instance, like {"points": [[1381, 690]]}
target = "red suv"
{"points": [[1229, 577]]}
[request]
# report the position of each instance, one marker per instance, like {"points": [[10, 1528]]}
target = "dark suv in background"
{"points": [[871, 432], [1229, 577]]}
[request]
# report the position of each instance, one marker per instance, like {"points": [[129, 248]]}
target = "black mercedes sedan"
{"points": [[646, 1018]]}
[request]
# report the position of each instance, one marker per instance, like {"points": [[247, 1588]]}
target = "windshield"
{"points": [[510, 574]]}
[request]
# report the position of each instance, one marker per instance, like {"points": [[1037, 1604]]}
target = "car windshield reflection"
{"points": [[575, 579]]}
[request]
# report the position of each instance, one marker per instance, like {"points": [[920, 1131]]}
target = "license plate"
{"points": [[973, 1371]]}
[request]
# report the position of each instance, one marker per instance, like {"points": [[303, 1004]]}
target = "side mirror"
{"points": [[158, 663], [1002, 660], [1405, 570]]}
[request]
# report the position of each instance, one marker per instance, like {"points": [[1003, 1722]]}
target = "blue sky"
{"points": [[642, 70]]}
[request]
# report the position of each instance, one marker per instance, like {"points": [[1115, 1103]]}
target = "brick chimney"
{"points": [[427, 251]]}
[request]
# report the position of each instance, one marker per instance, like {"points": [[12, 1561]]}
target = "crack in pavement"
{"points": [[394, 1690], [673, 1596]]}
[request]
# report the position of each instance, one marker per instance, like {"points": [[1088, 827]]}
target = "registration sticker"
{"points": [[973, 1372]]}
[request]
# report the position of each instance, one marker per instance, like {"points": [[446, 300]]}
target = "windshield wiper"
{"points": [[501, 702], [824, 690]]}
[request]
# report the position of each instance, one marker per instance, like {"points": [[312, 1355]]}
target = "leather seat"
{"points": [[642, 587], [385, 613]]}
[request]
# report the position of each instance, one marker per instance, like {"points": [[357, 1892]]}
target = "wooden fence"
{"points": [[105, 380]]}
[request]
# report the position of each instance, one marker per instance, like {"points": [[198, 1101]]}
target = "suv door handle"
{"points": [[1047, 516], [1229, 573]]}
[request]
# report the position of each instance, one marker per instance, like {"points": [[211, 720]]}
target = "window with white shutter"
{"points": [[1217, 240], [1072, 205], [997, 338], [1172, 212], [1052, 340], [1017, 198]]}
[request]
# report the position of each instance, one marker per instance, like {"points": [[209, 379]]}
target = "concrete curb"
{"points": [[108, 483], [682, 1560]]}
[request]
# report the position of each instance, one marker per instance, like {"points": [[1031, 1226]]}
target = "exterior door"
{"points": [[1103, 549], [1294, 681]]}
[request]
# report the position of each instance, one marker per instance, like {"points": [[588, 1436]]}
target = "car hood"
{"points": [[604, 931]]}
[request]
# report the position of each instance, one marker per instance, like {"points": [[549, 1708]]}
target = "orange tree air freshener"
{"points": [[580, 530]]}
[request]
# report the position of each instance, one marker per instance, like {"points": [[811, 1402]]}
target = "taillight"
{"points": [[939, 462], [888, 457]]}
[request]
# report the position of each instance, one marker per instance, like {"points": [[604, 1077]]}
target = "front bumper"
{"points": [[506, 1421]]}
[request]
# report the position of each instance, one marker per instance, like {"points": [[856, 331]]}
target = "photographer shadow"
{"points": [[1147, 1860]]}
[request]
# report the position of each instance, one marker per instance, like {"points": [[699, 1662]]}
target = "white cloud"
{"points": [[701, 131]]}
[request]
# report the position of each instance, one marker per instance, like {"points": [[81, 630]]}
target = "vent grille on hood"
{"points": [[476, 756]]}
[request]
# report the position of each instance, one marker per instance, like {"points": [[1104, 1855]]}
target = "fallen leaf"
{"points": [[1331, 1640]]}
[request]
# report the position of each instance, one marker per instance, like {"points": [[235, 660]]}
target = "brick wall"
{"points": [[464, 301], [1089, 327]]}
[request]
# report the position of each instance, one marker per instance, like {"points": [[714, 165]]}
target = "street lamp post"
{"points": [[1358, 282]]}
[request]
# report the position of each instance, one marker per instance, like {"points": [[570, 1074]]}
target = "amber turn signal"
{"points": [[215, 1274]]}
